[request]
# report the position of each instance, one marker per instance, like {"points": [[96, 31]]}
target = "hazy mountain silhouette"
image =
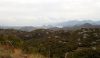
{"points": [[68, 25], [75, 22], [85, 25]]}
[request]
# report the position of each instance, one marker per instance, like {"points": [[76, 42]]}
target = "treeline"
{"points": [[81, 43]]}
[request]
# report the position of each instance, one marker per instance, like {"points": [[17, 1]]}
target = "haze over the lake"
{"points": [[40, 12]]}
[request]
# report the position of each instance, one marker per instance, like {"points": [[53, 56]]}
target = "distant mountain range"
{"points": [[68, 25], [76, 22], [85, 25]]}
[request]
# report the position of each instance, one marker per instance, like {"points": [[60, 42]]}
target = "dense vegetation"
{"points": [[80, 43]]}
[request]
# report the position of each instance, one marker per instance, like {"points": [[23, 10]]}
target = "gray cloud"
{"points": [[37, 12]]}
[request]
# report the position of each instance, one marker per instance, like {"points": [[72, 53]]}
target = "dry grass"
{"points": [[17, 54]]}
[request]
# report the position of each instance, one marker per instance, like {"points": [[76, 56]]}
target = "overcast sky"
{"points": [[39, 12]]}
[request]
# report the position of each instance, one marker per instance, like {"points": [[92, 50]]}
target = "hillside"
{"points": [[52, 43]]}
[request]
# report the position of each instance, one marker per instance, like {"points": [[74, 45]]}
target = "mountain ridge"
{"points": [[68, 25]]}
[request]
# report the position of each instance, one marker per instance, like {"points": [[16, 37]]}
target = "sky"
{"points": [[40, 12]]}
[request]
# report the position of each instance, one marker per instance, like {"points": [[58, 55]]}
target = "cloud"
{"points": [[31, 12]]}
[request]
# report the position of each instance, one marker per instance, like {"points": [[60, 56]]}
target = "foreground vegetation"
{"points": [[80, 43]]}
